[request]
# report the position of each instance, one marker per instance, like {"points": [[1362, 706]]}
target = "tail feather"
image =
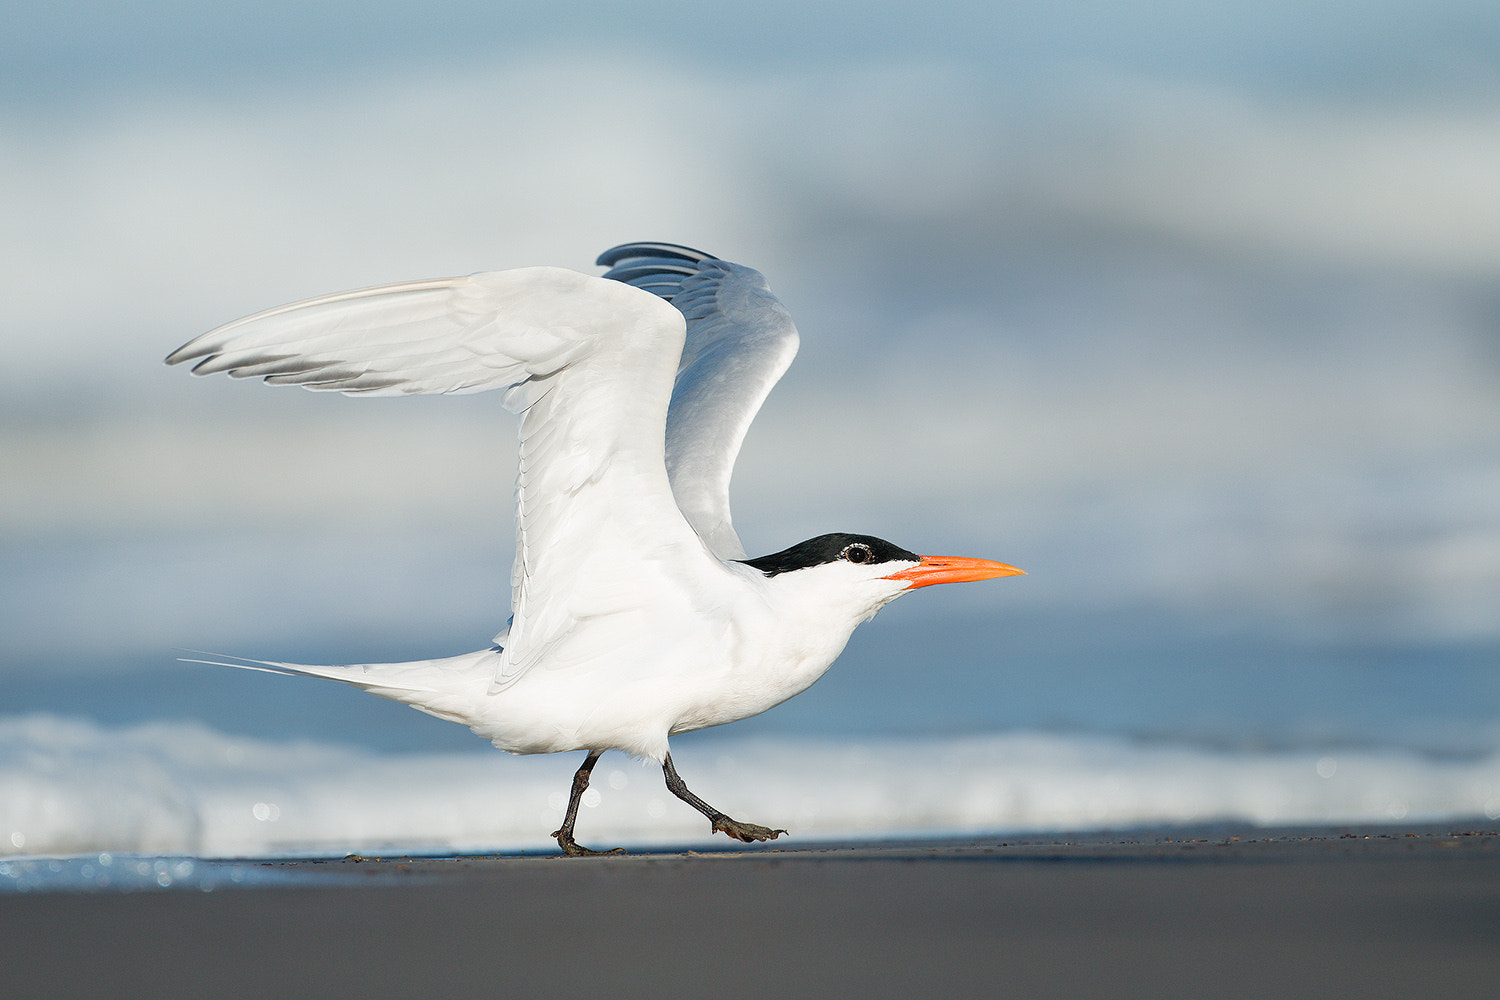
{"points": [[369, 676], [453, 688]]}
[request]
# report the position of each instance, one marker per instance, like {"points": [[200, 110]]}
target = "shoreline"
{"points": [[1223, 910]]}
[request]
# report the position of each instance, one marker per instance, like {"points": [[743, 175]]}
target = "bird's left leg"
{"points": [[571, 847], [748, 832]]}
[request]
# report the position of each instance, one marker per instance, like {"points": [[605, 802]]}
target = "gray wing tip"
{"points": [[659, 268], [649, 250], [187, 352]]}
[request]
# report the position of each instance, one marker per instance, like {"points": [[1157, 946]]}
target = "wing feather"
{"points": [[446, 335], [740, 341]]}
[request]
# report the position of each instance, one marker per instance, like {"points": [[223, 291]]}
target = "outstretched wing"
{"points": [[589, 363], [740, 341], [445, 335]]}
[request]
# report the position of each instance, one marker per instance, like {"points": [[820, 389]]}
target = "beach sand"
{"points": [[1206, 912]]}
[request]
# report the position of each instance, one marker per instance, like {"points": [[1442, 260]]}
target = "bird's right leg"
{"points": [[748, 832], [564, 836]]}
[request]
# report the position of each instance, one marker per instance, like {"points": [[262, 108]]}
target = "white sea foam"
{"points": [[73, 788]]}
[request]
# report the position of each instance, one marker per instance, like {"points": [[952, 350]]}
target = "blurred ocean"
{"points": [[1194, 316]]}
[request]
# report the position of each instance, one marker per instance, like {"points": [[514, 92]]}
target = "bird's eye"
{"points": [[859, 552]]}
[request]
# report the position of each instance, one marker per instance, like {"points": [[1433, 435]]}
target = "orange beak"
{"points": [[953, 569]]}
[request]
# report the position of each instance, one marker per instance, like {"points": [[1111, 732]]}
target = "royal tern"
{"points": [[635, 613]]}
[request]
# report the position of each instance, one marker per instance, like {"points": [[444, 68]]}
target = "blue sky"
{"points": [[1367, 47]]}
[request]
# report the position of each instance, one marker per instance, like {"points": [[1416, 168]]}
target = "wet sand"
{"points": [[1210, 912]]}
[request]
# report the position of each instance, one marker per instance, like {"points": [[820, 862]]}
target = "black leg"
{"points": [[564, 836], [748, 832]]}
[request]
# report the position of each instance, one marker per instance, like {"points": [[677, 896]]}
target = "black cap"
{"points": [[832, 548]]}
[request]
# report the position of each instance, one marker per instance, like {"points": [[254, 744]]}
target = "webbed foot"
{"points": [[747, 832], [574, 849]]}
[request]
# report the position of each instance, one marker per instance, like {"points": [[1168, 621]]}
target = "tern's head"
{"points": [[866, 572]]}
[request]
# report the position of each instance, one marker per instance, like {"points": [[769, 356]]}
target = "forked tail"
{"points": [[446, 688]]}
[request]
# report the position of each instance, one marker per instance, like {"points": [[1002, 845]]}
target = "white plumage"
{"points": [[635, 614]]}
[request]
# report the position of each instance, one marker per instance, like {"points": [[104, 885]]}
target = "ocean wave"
{"points": [[71, 787]]}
